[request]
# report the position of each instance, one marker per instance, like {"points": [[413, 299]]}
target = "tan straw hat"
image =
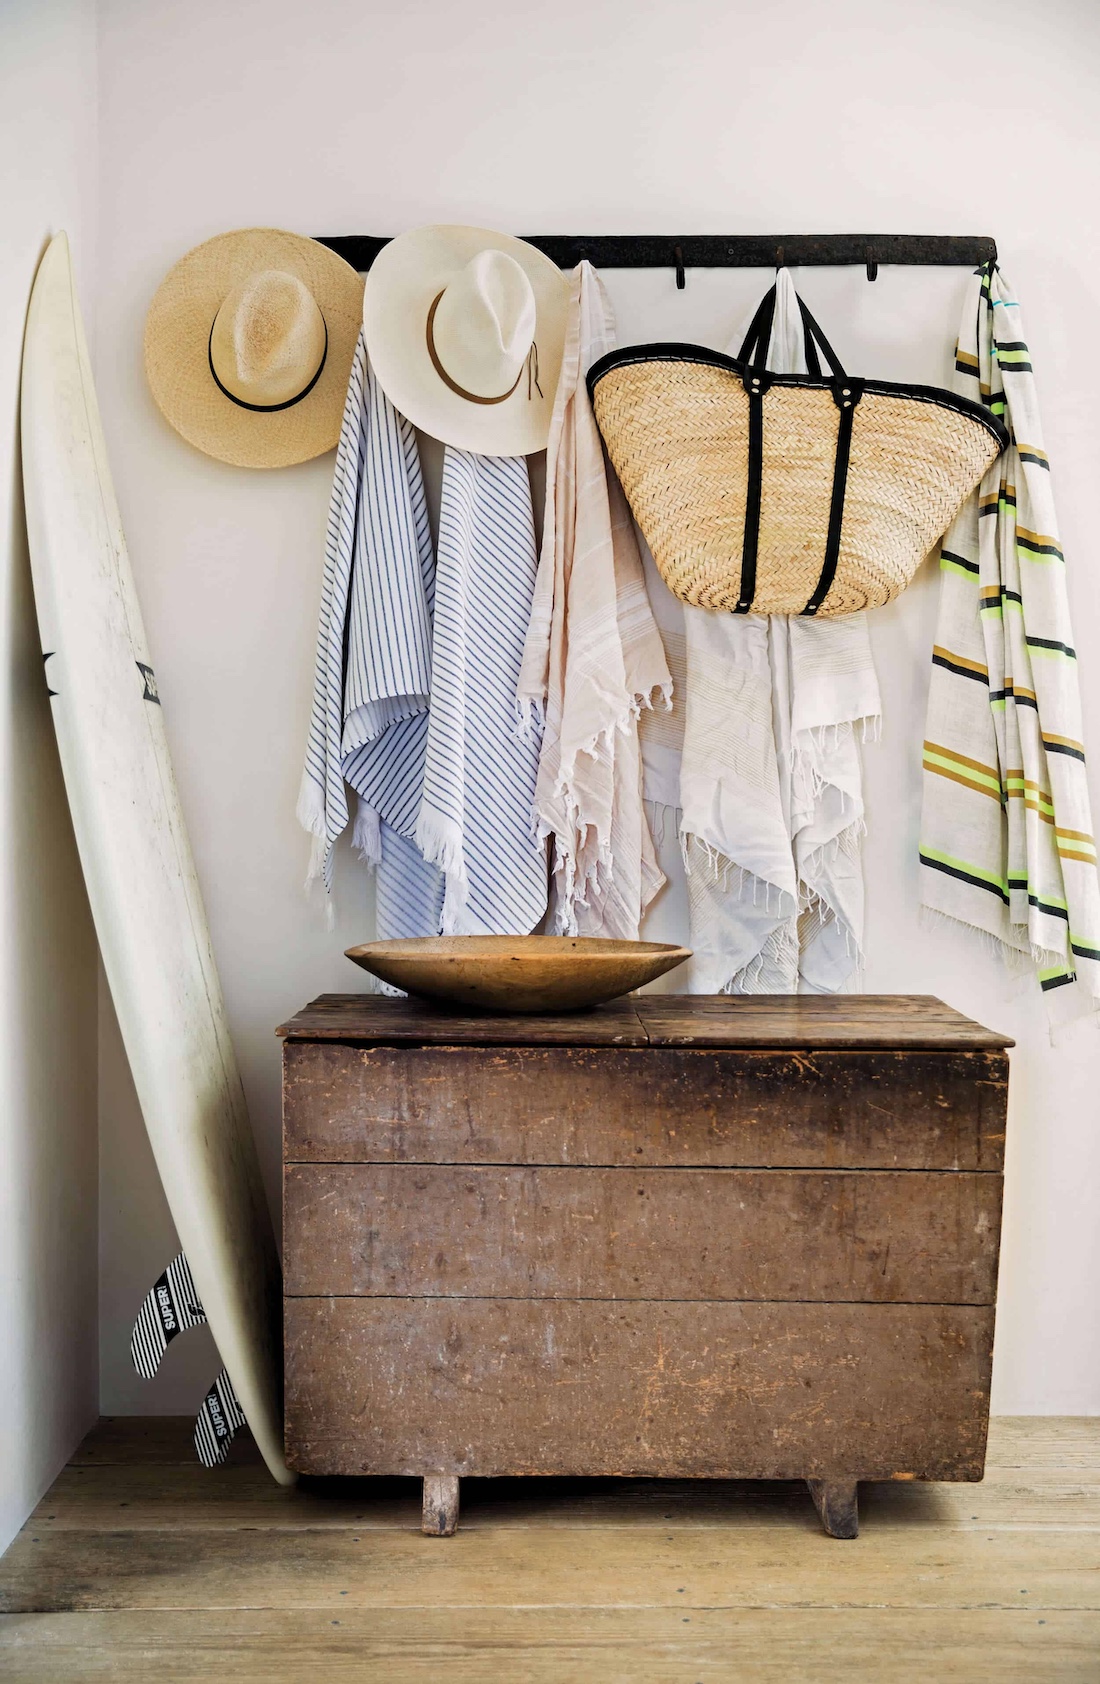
{"points": [[465, 330], [785, 493], [248, 346]]}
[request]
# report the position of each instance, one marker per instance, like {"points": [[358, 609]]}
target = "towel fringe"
{"points": [[846, 842], [581, 853], [366, 836], [318, 856], [601, 744], [1018, 960], [779, 951], [530, 718], [816, 913], [310, 810], [440, 841], [777, 901]]}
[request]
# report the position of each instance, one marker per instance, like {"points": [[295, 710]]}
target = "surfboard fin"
{"points": [[170, 1306], [217, 1423]]}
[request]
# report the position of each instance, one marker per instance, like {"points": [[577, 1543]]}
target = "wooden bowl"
{"points": [[518, 973]]}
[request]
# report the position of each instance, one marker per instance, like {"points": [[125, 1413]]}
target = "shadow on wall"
{"points": [[49, 1371]]}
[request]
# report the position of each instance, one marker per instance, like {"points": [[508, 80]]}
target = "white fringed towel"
{"points": [[593, 658], [761, 757]]}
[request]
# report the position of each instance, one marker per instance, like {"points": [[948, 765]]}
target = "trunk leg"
{"points": [[836, 1502], [440, 1517]]}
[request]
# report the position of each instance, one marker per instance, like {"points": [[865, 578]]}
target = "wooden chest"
{"points": [[676, 1236]]}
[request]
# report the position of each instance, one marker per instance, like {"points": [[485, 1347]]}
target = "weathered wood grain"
{"points": [[439, 1507], [574, 1645], [663, 1106], [810, 1020], [684, 1570], [143, 1498], [495, 1386], [402, 1230], [1061, 1451], [679, 1236], [382, 1018], [1044, 1450], [870, 1021], [897, 1609]]}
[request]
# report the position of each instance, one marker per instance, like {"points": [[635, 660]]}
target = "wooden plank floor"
{"points": [[140, 1565]]}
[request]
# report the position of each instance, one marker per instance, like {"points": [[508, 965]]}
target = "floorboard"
{"points": [[138, 1564], [105, 1499], [554, 1646], [605, 1566]]}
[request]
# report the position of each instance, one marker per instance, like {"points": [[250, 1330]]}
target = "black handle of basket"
{"points": [[754, 350], [815, 337]]}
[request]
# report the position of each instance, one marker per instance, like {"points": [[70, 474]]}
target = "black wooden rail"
{"points": [[722, 251]]}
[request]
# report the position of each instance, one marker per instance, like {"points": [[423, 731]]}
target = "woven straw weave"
{"points": [[677, 434]]}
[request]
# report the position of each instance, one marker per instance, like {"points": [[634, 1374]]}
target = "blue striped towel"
{"points": [[370, 706], [414, 708], [477, 817]]}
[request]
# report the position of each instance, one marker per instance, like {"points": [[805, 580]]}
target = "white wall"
{"points": [[48, 1348], [676, 115]]}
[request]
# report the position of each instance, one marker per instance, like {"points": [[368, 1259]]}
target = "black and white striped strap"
{"points": [[171, 1306], [217, 1423]]}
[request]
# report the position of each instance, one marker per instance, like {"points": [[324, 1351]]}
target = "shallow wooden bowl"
{"points": [[518, 973]]}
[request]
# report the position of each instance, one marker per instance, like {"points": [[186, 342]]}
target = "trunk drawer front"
{"points": [[758, 1391], [656, 1106], [409, 1231]]}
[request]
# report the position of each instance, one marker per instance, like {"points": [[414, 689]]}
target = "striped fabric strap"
{"points": [[171, 1305], [218, 1420]]}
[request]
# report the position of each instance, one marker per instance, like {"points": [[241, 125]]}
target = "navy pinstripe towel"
{"points": [[414, 701], [370, 703], [477, 815]]}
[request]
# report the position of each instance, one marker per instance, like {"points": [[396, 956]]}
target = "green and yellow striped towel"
{"points": [[1006, 833]]}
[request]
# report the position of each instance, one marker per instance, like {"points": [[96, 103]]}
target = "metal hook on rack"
{"points": [[872, 264], [778, 258], [681, 278]]}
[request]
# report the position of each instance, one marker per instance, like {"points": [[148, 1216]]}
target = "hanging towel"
{"points": [[768, 777], [593, 658], [373, 678], [831, 707], [477, 814], [741, 882], [1006, 831], [416, 672]]}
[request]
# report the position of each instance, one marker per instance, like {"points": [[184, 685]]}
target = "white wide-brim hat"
{"points": [[465, 329], [249, 343]]}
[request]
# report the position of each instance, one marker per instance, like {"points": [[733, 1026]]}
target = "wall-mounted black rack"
{"points": [[722, 251]]}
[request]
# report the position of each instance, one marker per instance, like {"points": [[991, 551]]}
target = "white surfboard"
{"points": [[136, 856]]}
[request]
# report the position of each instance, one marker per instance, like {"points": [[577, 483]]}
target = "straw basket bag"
{"points": [[785, 493]]}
